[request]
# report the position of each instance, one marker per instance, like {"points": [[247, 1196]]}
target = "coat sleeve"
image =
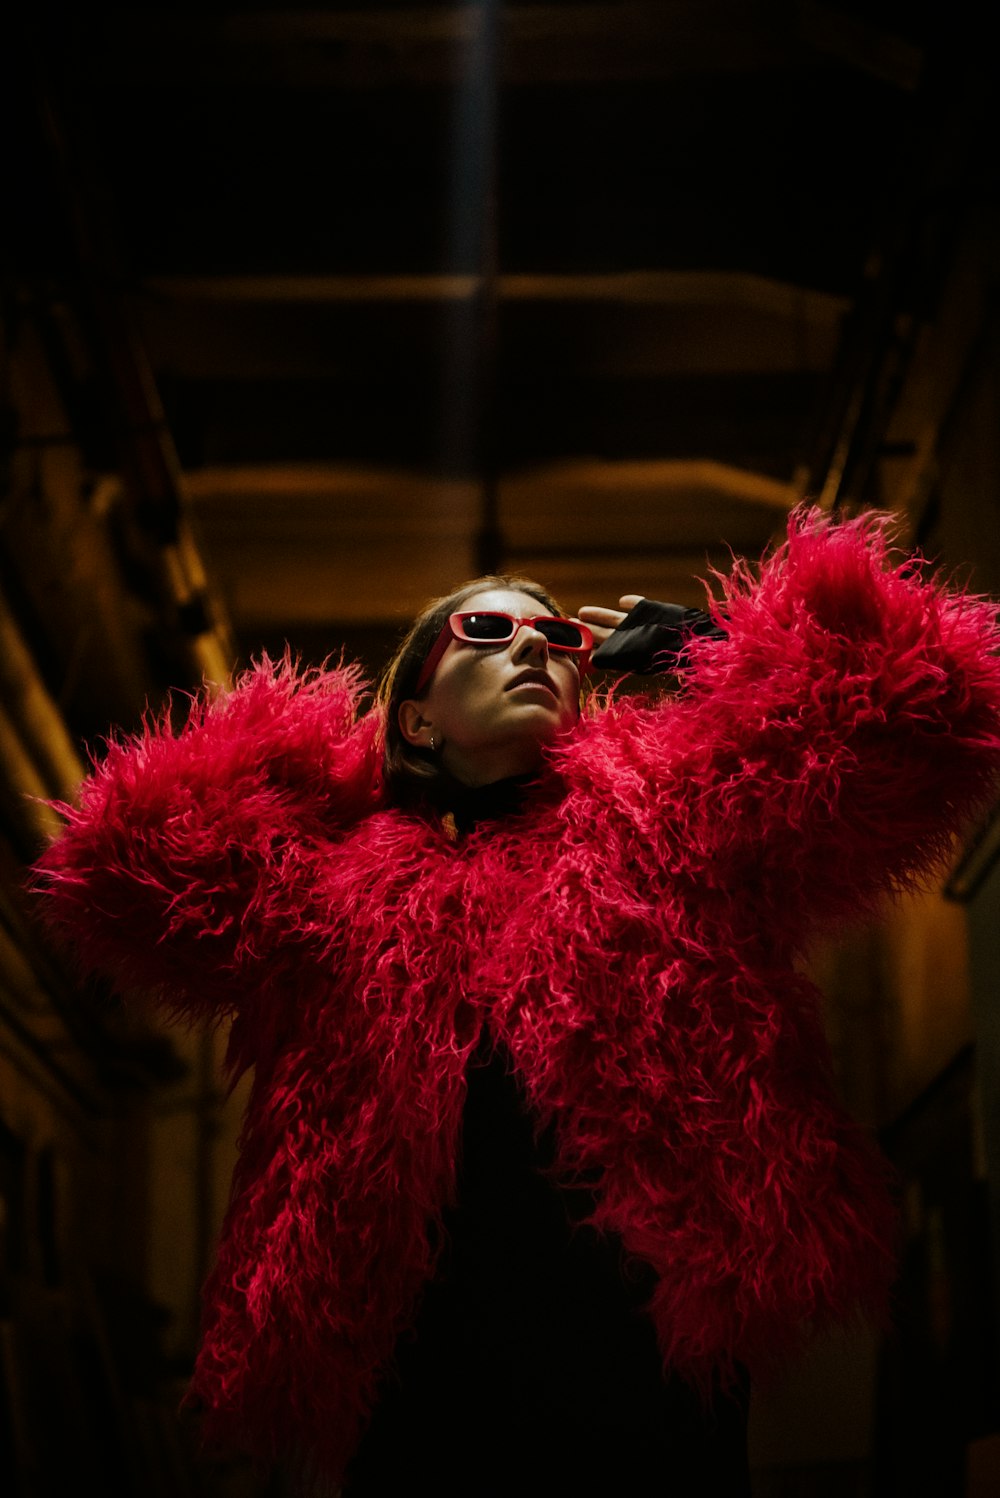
{"points": [[830, 744], [189, 852]]}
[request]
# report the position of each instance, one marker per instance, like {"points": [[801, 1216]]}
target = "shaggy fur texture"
{"points": [[630, 936]]}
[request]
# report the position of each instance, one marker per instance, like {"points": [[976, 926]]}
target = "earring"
{"points": [[432, 741]]}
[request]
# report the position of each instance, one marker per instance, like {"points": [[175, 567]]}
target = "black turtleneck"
{"points": [[469, 806]]}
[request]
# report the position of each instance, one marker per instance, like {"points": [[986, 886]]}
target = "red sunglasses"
{"points": [[490, 628]]}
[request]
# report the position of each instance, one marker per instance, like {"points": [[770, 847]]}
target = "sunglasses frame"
{"points": [[454, 629]]}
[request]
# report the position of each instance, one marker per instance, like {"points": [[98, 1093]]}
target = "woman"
{"points": [[542, 1152]]}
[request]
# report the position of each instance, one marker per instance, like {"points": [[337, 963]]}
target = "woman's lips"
{"points": [[534, 680]]}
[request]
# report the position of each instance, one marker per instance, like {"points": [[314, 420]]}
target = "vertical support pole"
{"points": [[470, 419]]}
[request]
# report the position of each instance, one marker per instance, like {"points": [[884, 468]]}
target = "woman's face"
{"points": [[491, 708]]}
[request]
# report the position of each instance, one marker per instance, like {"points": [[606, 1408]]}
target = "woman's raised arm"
{"points": [[831, 742], [188, 850]]}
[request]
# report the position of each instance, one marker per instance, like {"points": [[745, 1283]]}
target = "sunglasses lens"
{"points": [[562, 634], [487, 627]]}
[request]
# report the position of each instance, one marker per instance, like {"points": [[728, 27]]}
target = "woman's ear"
{"points": [[413, 725]]}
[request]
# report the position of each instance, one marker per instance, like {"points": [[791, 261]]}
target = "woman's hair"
{"points": [[411, 772]]}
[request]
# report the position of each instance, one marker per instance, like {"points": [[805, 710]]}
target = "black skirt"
{"points": [[532, 1367]]}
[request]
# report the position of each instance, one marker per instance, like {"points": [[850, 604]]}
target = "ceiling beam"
{"points": [[540, 44], [674, 288], [600, 479], [635, 324]]}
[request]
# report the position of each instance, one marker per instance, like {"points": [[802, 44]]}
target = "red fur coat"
{"points": [[630, 936]]}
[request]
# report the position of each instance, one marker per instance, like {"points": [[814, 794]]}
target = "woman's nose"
{"points": [[530, 644]]}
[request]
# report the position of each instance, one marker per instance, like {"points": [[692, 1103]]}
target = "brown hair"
{"points": [[411, 772]]}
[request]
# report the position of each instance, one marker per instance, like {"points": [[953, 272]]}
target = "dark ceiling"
{"points": [[588, 290]]}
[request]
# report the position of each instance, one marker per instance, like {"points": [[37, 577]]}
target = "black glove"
{"points": [[652, 637]]}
